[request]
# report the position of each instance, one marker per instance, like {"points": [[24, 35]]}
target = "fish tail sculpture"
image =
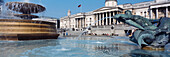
{"points": [[147, 33]]}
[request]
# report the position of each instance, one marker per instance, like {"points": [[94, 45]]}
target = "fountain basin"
{"points": [[17, 29]]}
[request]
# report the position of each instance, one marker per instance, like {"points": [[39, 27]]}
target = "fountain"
{"points": [[148, 36], [25, 28]]}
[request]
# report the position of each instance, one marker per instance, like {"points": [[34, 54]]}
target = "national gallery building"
{"points": [[150, 9]]}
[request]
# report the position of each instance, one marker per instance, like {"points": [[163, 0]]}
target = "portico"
{"points": [[104, 16], [157, 11], [80, 22]]}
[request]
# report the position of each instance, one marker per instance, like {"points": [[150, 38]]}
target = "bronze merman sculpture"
{"points": [[148, 36]]}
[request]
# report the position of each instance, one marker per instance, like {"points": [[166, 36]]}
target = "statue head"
{"points": [[128, 12]]}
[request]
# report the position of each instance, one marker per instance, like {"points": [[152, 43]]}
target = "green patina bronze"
{"points": [[147, 34]]}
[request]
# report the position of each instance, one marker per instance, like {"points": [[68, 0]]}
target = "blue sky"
{"points": [[59, 8]]}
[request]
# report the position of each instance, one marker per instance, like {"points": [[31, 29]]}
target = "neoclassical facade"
{"points": [[150, 9]]}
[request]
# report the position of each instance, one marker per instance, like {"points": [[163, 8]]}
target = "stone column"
{"points": [[103, 19], [74, 25], [106, 19], [100, 18], [84, 21], [80, 22], [157, 15], [151, 14], [77, 23], [167, 11], [114, 20], [96, 20], [110, 14]]}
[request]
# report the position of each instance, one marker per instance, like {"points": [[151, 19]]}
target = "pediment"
{"points": [[107, 8]]}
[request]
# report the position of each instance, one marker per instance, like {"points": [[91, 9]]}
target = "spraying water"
{"points": [[6, 13], [26, 0], [92, 25]]}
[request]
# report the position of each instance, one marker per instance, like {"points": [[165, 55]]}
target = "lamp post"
{"points": [[145, 13], [112, 29]]}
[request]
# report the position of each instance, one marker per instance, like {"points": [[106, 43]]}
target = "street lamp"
{"points": [[112, 27], [145, 13], [89, 28]]}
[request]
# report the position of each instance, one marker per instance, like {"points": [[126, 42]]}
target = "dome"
{"points": [[110, 3], [111, 0]]}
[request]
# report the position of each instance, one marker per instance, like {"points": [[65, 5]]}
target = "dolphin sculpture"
{"points": [[147, 34]]}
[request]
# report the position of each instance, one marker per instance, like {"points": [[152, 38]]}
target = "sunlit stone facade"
{"points": [[150, 9]]}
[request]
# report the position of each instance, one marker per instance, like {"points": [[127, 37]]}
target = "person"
{"points": [[66, 33]]}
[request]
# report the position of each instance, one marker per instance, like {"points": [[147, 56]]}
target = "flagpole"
{"points": [[81, 9]]}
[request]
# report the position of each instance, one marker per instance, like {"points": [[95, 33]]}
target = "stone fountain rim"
{"points": [[46, 22]]}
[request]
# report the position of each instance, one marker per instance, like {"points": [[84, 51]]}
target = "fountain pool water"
{"points": [[82, 47]]}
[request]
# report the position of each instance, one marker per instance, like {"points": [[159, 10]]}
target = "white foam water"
{"points": [[98, 42], [63, 49]]}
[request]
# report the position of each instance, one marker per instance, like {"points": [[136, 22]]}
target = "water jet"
{"points": [[26, 28]]}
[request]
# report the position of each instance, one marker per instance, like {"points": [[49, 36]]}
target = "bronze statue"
{"points": [[147, 35]]}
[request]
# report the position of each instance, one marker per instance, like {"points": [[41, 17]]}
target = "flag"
{"points": [[79, 5]]}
